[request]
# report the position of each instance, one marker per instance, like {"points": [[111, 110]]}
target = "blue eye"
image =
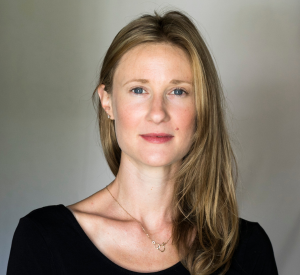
{"points": [[138, 90], [178, 91]]}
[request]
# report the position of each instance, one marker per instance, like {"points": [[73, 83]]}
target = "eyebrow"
{"points": [[173, 81]]}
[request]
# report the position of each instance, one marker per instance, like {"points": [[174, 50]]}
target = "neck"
{"points": [[145, 192]]}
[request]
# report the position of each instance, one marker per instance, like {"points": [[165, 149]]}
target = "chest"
{"points": [[128, 246]]}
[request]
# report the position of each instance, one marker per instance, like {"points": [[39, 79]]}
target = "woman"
{"points": [[172, 207]]}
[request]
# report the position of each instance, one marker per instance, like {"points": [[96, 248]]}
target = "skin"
{"points": [[143, 186]]}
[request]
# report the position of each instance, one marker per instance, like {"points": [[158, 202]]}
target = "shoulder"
{"points": [[254, 253], [48, 214], [252, 231], [35, 239], [48, 221], [254, 237]]}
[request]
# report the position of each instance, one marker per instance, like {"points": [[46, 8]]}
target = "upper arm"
{"points": [[254, 254], [29, 253], [265, 260]]}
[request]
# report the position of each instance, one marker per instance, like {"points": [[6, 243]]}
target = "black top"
{"points": [[50, 241]]}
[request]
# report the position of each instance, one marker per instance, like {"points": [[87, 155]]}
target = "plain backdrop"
{"points": [[50, 53]]}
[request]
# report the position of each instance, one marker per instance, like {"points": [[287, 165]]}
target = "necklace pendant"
{"points": [[160, 247]]}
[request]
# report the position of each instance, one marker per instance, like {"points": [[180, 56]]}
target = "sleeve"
{"points": [[254, 255], [29, 253], [264, 261]]}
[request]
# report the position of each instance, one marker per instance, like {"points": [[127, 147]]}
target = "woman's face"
{"points": [[152, 103]]}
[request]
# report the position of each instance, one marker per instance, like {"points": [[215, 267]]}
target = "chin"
{"points": [[159, 161], [152, 159]]}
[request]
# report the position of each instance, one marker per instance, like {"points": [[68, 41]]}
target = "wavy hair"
{"points": [[205, 225]]}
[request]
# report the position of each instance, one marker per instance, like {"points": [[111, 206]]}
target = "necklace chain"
{"points": [[160, 247]]}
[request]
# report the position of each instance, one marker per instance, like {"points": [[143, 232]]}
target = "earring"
{"points": [[108, 116]]}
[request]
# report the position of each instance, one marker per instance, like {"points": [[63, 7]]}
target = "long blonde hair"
{"points": [[205, 229]]}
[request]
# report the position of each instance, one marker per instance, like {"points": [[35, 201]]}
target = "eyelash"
{"points": [[137, 88], [178, 88], [184, 91]]}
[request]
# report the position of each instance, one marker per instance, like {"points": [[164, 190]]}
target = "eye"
{"points": [[178, 91], [138, 90]]}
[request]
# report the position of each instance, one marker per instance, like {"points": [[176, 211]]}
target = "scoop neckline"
{"points": [[81, 232]]}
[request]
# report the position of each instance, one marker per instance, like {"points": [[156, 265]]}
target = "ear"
{"points": [[105, 99]]}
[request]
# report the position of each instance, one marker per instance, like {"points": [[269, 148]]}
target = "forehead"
{"points": [[156, 62]]}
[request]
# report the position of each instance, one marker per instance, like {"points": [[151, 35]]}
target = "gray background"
{"points": [[50, 53]]}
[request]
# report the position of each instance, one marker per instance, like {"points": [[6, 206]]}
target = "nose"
{"points": [[158, 110]]}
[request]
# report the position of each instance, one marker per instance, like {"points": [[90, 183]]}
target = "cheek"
{"points": [[127, 118], [122, 122], [187, 130], [185, 121]]}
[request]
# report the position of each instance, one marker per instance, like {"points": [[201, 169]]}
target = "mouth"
{"points": [[157, 138]]}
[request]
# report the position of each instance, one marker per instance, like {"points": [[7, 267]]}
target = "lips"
{"points": [[157, 137]]}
